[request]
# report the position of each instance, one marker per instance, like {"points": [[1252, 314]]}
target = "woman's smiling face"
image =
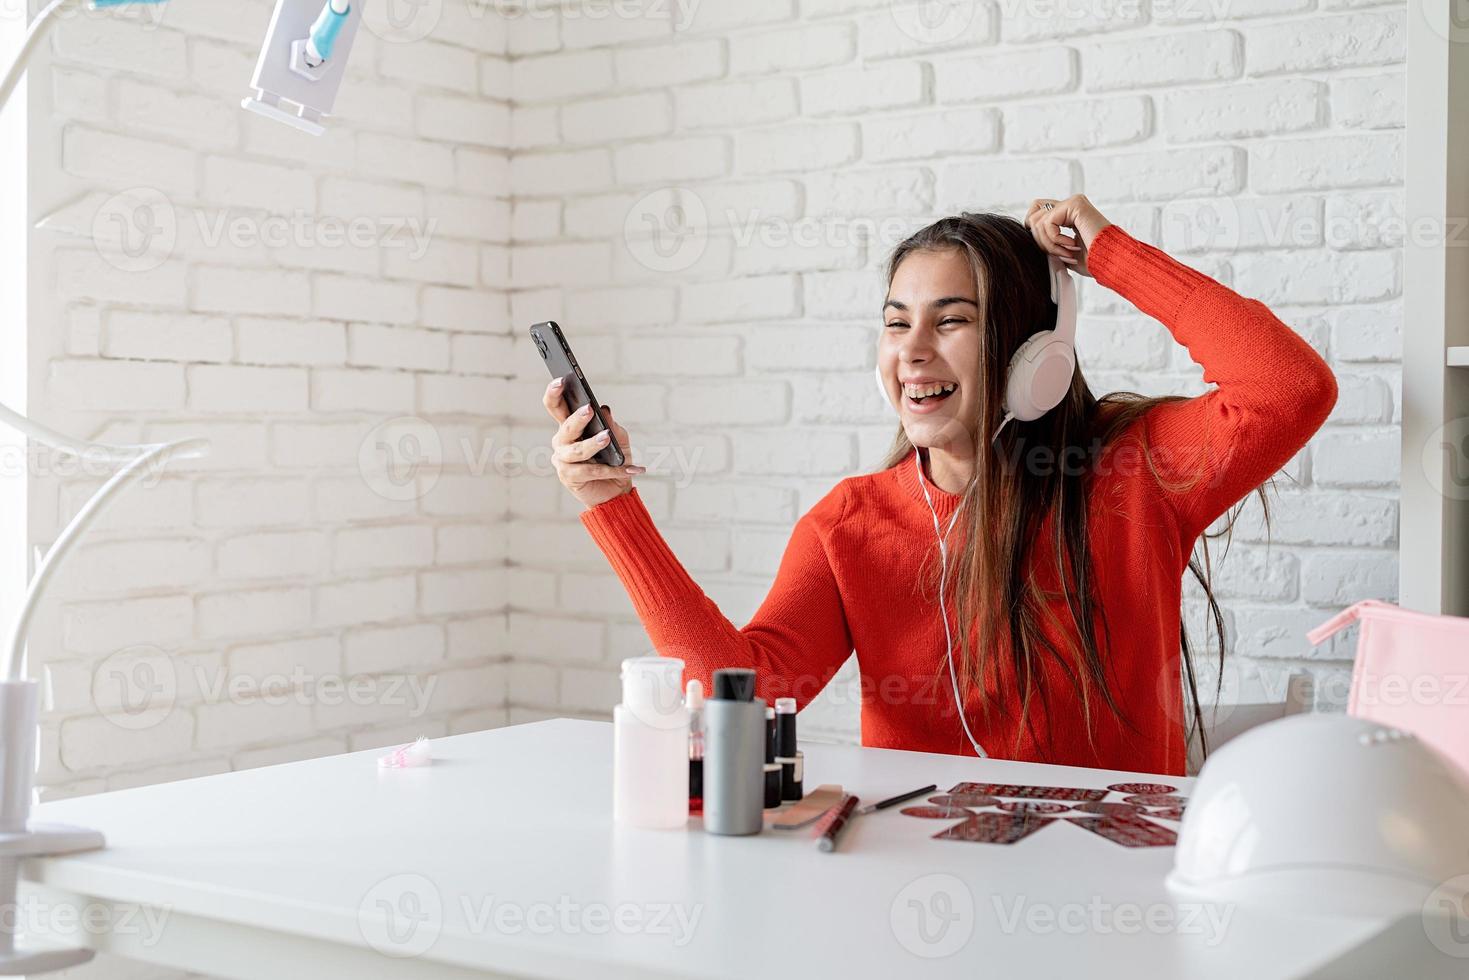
{"points": [[928, 354]]}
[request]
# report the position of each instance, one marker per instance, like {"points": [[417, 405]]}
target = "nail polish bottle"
{"points": [[694, 702]]}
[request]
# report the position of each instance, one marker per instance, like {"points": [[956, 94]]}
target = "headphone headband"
{"points": [[1063, 294]]}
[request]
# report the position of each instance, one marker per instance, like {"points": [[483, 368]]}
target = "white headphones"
{"points": [[943, 612], [1039, 375], [1036, 381]]}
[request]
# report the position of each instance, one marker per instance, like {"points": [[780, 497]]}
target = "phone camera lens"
{"points": [[541, 346]]}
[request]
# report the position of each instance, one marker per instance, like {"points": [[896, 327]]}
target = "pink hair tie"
{"points": [[407, 756]]}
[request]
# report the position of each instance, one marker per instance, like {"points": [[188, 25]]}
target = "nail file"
{"points": [[817, 802], [1128, 830], [995, 828], [1067, 793]]}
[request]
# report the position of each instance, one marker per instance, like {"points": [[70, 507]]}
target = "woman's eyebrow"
{"points": [[936, 304]]}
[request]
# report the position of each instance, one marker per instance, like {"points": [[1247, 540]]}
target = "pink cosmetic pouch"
{"points": [[1411, 672]]}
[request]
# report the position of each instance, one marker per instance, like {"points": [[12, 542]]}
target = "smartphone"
{"points": [[561, 362]]}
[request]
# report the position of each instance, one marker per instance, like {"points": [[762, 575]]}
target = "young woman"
{"points": [[1067, 537]]}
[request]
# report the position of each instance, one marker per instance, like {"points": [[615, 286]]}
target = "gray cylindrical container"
{"points": [[734, 755]]}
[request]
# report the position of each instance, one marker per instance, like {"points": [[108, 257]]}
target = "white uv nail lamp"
{"points": [[1325, 813]]}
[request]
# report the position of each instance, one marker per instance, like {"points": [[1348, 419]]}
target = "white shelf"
{"points": [[1433, 537]]}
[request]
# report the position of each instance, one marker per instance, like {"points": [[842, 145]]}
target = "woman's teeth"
{"points": [[919, 392]]}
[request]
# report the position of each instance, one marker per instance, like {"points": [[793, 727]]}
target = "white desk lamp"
{"points": [[19, 696], [296, 81]]}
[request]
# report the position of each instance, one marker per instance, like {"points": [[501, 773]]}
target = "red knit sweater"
{"points": [[851, 577]]}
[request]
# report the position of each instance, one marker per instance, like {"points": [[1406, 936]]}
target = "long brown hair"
{"points": [[995, 594]]}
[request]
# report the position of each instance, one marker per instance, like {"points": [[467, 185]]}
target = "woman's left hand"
{"points": [[1074, 212]]}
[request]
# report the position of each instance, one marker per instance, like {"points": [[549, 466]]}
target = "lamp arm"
{"points": [[135, 458], [186, 448], [37, 32], [80, 448]]}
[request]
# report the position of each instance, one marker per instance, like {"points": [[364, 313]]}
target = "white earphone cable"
{"points": [[943, 591], [1009, 417]]}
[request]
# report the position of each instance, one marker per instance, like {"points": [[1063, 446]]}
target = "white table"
{"points": [[288, 871]]}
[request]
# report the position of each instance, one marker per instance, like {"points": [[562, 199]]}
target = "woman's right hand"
{"points": [[590, 482]]}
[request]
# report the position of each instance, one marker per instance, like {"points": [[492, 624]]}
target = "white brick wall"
{"points": [[287, 596], [756, 347], [526, 161]]}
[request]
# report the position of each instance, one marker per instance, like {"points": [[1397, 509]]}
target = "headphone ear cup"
{"points": [[1039, 376], [1040, 373]]}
